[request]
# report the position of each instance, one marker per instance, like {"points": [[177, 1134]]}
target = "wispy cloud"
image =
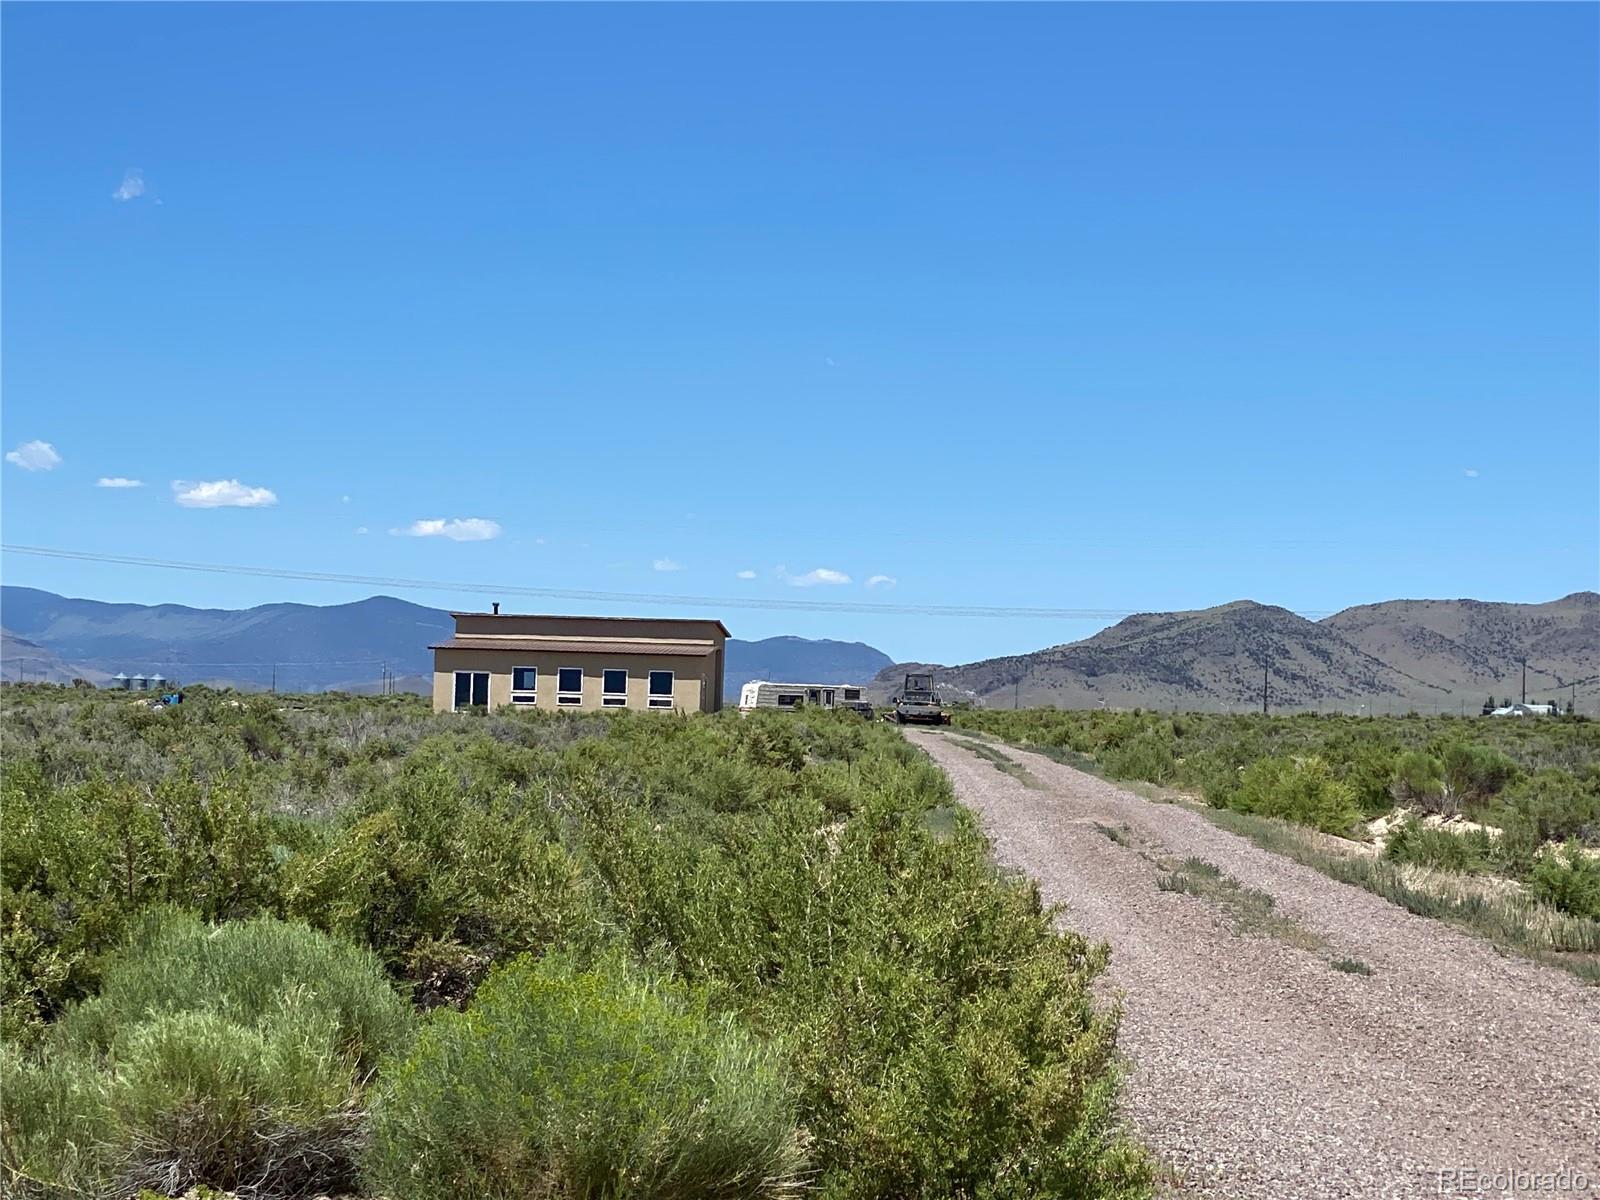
{"points": [[35, 456], [362, 529], [132, 186], [117, 481], [746, 575], [457, 529], [823, 575], [1470, 472], [667, 564], [887, 581], [221, 493]]}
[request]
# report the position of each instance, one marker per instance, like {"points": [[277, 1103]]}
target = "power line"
{"points": [[625, 598], [263, 663]]}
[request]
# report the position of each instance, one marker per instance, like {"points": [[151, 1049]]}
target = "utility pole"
{"points": [[1524, 681], [274, 679], [1263, 691], [1016, 693]]}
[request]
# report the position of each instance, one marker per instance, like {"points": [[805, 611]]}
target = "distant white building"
{"points": [[1527, 710]]}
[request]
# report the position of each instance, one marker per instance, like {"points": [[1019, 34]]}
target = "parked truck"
{"points": [[918, 703]]}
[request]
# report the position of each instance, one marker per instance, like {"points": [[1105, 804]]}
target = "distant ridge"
{"points": [[1430, 654], [308, 647]]}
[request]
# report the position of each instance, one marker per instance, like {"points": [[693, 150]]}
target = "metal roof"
{"points": [[552, 646]]}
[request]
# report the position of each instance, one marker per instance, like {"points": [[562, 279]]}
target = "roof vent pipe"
{"points": [[496, 607]]}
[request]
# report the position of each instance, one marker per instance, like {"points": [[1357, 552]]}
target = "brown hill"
{"points": [[1434, 655], [22, 660], [1475, 647], [1209, 659]]}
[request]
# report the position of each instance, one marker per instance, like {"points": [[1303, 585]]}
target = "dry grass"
{"points": [[1493, 908], [999, 760]]}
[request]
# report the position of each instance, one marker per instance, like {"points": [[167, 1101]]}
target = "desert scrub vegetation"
{"points": [[788, 912], [585, 1082], [1535, 785], [232, 1055]]}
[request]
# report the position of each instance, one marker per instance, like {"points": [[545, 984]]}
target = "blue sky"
{"points": [[1104, 306]]}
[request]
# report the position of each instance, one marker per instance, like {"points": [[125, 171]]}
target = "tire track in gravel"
{"points": [[1256, 1069]]}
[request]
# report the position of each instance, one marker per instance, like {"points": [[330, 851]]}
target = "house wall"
{"points": [[638, 628], [696, 685]]}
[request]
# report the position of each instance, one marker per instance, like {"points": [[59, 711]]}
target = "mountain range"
{"points": [[1427, 654], [1432, 655], [306, 647]]}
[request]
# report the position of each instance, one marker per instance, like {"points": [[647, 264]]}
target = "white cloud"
{"points": [[813, 577], [746, 575], [457, 529], [1470, 472], [117, 481], [882, 581], [35, 456], [132, 186], [344, 499], [362, 529], [221, 493], [667, 564]]}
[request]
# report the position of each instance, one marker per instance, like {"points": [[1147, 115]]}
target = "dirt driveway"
{"points": [[1257, 1068]]}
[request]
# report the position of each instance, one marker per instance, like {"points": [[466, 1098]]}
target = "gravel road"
{"points": [[1258, 1070]]}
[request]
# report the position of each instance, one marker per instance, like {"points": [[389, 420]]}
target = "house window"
{"points": [[614, 688], [852, 693], [569, 685], [524, 685], [789, 699], [660, 689], [472, 689]]}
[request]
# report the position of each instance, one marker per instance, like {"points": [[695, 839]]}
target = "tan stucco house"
{"points": [[579, 663]]}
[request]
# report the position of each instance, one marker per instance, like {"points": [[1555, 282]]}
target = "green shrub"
{"points": [[54, 1127], [1567, 879], [1418, 779], [1146, 755], [222, 1056], [1297, 789], [246, 972], [810, 873], [1470, 852], [445, 871], [1475, 772], [79, 862], [567, 1083], [1559, 804]]}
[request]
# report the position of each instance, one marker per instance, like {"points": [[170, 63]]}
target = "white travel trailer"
{"points": [[762, 693]]}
